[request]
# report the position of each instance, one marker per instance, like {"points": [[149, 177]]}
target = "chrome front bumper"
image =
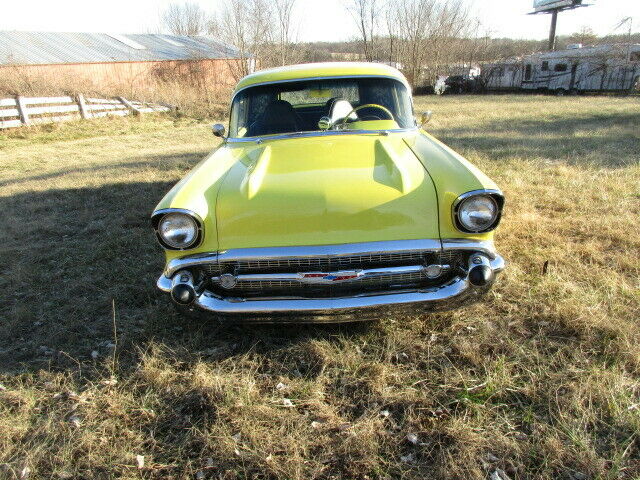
{"points": [[365, 306]]}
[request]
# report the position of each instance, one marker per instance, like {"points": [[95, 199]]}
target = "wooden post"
{"points": [[129, 105], [84, 113], [22, 110]]}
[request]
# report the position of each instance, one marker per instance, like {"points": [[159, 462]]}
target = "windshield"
{"points": [[374, 103]]}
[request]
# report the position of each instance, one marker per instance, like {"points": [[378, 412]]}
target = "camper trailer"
{"points": [[603, 68]]}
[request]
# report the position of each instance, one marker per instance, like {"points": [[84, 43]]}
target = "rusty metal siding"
{"points": [[112, 76]]}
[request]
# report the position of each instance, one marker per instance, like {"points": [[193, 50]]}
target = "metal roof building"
{"points": [[112, 62], [47, 48]]}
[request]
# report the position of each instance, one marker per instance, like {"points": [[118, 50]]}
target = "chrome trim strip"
{"points": [[189, 261], [305, 277], [330, 251], [476, 192], [307, 79], [324, 133], [484, 246], [162, 211]]}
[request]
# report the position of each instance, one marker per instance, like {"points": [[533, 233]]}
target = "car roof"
{"points": [[321, 70]]}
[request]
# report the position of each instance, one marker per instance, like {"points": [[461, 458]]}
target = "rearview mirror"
{"points": [[218, 130], [425, 117]]}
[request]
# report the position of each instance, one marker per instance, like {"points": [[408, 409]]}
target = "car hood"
{"points": [[324, 190]]}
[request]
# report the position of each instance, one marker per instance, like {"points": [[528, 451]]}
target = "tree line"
{"points": [[423, 38]]}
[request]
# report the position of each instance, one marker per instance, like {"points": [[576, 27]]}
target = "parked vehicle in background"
{"points": [[459, 84], [328, 202], [604, 68]]}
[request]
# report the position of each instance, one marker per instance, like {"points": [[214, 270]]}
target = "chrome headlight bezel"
{"points": [[496, 197], [157, 218]]}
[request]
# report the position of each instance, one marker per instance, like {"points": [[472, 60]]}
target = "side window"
{"points": [[560, 67], [527, 72], [545, 66]]}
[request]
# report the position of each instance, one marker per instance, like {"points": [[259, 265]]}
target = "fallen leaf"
{"points": [[287, 403], [385, 413], [280, 386]]}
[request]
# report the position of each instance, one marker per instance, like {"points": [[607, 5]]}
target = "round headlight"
{"points": [[478, 213], [178, 230]]}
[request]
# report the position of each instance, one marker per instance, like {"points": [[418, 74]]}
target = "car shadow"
{"points": [[80, 267]]}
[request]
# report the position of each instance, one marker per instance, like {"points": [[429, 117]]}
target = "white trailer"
{"points": [[604, 68]]}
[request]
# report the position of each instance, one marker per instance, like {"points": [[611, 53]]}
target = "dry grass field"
{"points": [[101, 379]]}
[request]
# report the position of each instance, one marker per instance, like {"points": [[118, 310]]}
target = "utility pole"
{"points": [[628, 20]]}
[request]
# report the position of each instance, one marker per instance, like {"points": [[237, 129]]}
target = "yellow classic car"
{"points": [[327, 202]]}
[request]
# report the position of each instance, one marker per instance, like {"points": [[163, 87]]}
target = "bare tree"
{"points": [[245, 24], [585, 36], [366, 15], [285, 32], [424, 35], [185, 19]]}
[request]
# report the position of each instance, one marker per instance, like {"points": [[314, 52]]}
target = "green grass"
{"points": [[542, 380]]}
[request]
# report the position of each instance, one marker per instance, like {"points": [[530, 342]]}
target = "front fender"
{"points": [[197, 192], [452, 175]]}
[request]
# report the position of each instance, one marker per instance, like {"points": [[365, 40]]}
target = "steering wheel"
{"points": [[368, 105]]}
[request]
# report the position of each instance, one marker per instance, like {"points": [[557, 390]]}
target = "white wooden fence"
{"points": [[21, 111]]}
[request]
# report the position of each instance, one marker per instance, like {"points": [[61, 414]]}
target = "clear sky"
{"points": [[318, 19]]}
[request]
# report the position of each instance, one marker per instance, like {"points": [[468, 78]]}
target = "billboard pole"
{"points": [[554, 7], [552, 31]]}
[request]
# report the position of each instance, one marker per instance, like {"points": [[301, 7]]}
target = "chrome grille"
{"points": [[292, 286], [298, 264], [301, 264], [328, 264]]}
